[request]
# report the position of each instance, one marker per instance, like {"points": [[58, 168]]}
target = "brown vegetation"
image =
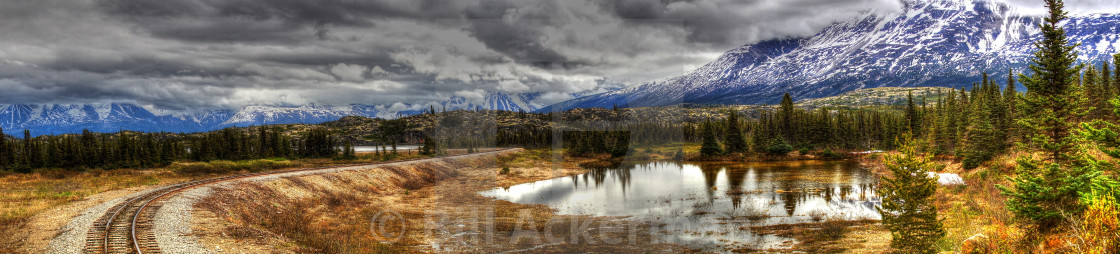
{"points": [[833, 235], [438, 201], [26, 200]]}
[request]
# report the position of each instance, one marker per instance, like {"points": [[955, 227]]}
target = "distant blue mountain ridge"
{"points": [[45, 119]]}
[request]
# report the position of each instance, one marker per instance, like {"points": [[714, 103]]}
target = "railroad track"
{"points": [[127, 227]]}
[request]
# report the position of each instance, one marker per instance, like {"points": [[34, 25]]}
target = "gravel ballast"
{"points": [[72, 237]]}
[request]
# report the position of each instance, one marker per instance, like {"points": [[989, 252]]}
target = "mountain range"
{"points": [[928, 43], [45, 119], [947, 43]]}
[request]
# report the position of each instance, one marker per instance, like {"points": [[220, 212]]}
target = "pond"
{"points": [[718, 202], [400, 148]]}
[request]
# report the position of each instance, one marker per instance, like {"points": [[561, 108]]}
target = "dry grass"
{"points": [[25, 195], [833, 235], [980, 208], [332, 213], [316, 225], [223, 166]]}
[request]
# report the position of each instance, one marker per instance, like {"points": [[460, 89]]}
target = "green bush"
{"points": [[224, 166], [828, 153], [779, 147]]}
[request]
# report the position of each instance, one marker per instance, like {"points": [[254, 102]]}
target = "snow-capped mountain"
{"points": [[112, 117], [928, 43], [261, 115], [497, 101]]}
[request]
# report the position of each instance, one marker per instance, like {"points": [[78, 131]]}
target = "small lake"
{"points": [[400, 148], [717, 201]]}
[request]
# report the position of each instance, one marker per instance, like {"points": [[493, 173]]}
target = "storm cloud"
{"points": [[209, 54]]}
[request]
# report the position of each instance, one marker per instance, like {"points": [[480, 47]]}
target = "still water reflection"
{"points": [[716, 199]]}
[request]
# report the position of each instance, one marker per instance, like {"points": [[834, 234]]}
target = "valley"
{"points": [[900, 126]]}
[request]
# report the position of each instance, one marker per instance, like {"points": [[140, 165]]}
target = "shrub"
{"points": [[833, 228], [1099, 231], [505, 171], [779, 147], [828, 153], [224, 166], [1099, 228]]}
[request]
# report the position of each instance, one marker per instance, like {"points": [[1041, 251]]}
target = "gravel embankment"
{"points": [[173, 220]]}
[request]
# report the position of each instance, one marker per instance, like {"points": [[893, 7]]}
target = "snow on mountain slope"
{"points": [[112, 117], [497, 101], [929, 43], [261, 115]]}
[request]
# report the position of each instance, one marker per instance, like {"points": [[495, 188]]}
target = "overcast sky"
{"points": [[211, 54]]}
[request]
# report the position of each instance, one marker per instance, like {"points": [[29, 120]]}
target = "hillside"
{"points": [[929, 43], [882, 96]]}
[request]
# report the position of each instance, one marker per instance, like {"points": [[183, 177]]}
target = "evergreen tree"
{"points": [[31, 153], [907, 195], [5, 152], [1096, 94], [785, 117], [709, 146], [426, 149], [348, 151], [392, 131], [912, 113], [1011, 100], [1116, 74], [1106, 81], [734, 135], [981, 140], [621, 144], [1042, 190]]}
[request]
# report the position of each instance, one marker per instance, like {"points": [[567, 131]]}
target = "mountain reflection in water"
{"points": [[712, 197]]}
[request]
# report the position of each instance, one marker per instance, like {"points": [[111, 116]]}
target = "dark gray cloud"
{"points": [[206, 54]]}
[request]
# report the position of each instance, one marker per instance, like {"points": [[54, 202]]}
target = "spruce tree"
{"points": [[907, 195], [709, 146], [32, 154], [1042, 191], [1011, 100], [912, 113], [1116, 74], [1106, 81], [734, 142], [785, 117], [980, 140], [348, 151], [621, 144], [5, 152]]}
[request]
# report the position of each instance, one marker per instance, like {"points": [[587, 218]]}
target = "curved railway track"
{"points": [[127, 227]]}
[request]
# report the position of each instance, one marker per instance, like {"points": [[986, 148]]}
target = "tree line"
{"points": [[128, 149], [787, 128]]}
